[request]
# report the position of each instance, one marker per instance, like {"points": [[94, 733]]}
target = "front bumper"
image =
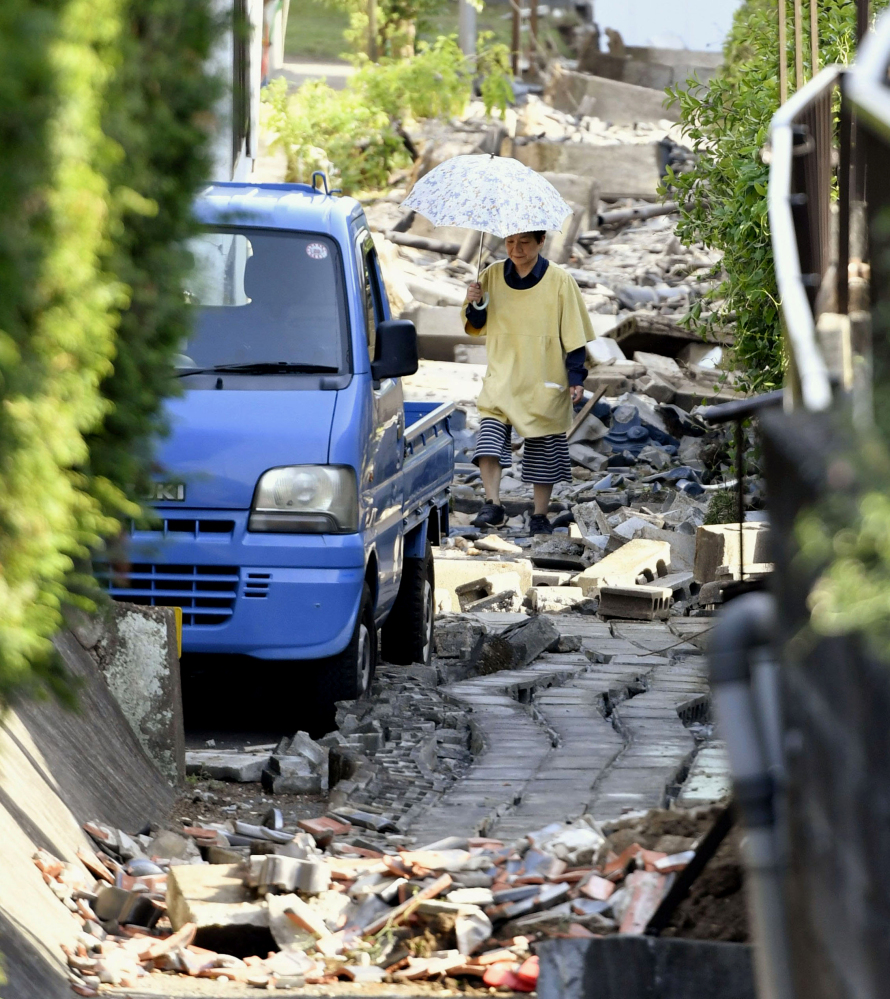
{"points": [[273, 596]]}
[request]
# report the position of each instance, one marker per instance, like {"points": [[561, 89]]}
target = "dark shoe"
{"points": [[539, 524], [491, 515]]}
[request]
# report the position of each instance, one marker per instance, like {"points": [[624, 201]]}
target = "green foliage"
{"points": [[158, 112], [335, 131], [727, 122], [354, 134], [71, 186], [494, 69], [723, 507], [435, 83], [845, 543], [398, 22]]}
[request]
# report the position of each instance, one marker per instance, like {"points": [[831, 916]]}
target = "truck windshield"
{"points": [[268, 301]]}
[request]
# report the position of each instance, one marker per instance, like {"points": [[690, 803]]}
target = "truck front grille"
{"points": [[206, 593]]}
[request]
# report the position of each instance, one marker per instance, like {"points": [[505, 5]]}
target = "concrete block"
{"points": [[519, 644], [609, 100], [639, 557], [451, 572], [656, 386], [604, 349], [458, 638], [556, 599], [292, 775], [717, 545], [612, 382], [440, 330], [587, 458], [665, 366], [682, 545], [637, 603], [498, 584], [139, 658], [215, 898], [589, 429], [622, 170], [242, 768]]}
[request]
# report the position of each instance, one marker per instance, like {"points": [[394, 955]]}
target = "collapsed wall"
{"points": [[60, 768]]}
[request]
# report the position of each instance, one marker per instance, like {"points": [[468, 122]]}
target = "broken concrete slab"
{"points": [[623, 170], [451, 572], [519, 644], [636, 603], [215, 898], [242, 768], [718, 544], [682, 545], [469, 594], [458, 638], [139, 658], [558, 599], [609, 100], [639, 557]]}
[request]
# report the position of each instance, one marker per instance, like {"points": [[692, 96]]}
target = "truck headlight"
{"points": [[306, 499]]}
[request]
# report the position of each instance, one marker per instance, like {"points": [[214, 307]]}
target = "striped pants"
{"points": [[545, 460]]}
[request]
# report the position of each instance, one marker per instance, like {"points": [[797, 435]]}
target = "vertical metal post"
{"points": [[466, 28], [798, 44], [783, 53], [740, 476], [844, 199], [516, 41], [861, 19], [533, 35], [372, 30], [814, 37]]}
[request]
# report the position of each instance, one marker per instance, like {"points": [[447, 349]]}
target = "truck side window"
{"points": [[373, 292]]}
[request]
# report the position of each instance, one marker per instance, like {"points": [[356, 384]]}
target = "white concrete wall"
{"points": [[701, 25]]}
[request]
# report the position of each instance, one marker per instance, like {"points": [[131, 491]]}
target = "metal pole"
{"points": [[783, 54], [798, 44], [814, 38], [466, 29], [533, 36], [516, 41], [740, 475]]}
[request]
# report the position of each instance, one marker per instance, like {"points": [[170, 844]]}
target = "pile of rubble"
{"points": [[279, 907]]}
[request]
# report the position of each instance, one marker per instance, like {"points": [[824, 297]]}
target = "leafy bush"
{"points": [[354, 134], [335, 131], [495, 71], [70, 191], [397, 24], [727, 122]]}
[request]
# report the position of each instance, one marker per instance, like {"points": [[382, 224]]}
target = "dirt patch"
{"points": [[201, 802], [716, 906]]}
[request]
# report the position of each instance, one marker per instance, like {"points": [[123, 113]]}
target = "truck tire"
{"points": [[349, 675], [408, 631]]}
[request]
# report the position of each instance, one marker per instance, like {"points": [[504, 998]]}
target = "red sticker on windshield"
{"points": [[318, 251]]}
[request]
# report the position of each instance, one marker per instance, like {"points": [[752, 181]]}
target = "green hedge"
{"points": [[102, 104], [728, 122]]}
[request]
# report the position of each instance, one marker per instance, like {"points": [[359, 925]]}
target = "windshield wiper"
{"points": [[261, 368]]}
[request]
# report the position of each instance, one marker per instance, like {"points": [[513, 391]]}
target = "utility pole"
{"points": [[372, 30], [533, 41], [466, 28], [516, 42]]}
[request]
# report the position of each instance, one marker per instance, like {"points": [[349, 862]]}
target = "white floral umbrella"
{"points": [[494, 194]]}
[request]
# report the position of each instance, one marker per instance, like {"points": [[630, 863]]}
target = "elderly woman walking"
{"points": [[536, 326]]}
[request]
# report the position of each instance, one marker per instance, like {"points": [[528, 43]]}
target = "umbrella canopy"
{"points": [[491, 193]]}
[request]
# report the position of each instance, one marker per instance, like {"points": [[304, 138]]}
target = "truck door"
{"points": [[383, 475]]}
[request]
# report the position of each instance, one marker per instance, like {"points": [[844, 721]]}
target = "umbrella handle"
{"points": [[481, 305]]}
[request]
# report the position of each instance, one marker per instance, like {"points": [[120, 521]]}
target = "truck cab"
{"points": [[297, 496]]}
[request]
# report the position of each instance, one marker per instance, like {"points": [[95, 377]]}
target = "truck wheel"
{"points": [[348, 676], [408, 632]]}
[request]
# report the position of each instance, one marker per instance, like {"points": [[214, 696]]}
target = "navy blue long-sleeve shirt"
{"points": [[477, 318]]}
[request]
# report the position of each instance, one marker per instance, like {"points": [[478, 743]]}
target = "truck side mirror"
{"points": [[396, 350]]}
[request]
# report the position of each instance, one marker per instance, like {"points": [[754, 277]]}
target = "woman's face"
{"points": [[522, 249]]}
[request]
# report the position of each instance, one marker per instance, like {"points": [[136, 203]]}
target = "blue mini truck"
{"points": [[298, 495]]}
